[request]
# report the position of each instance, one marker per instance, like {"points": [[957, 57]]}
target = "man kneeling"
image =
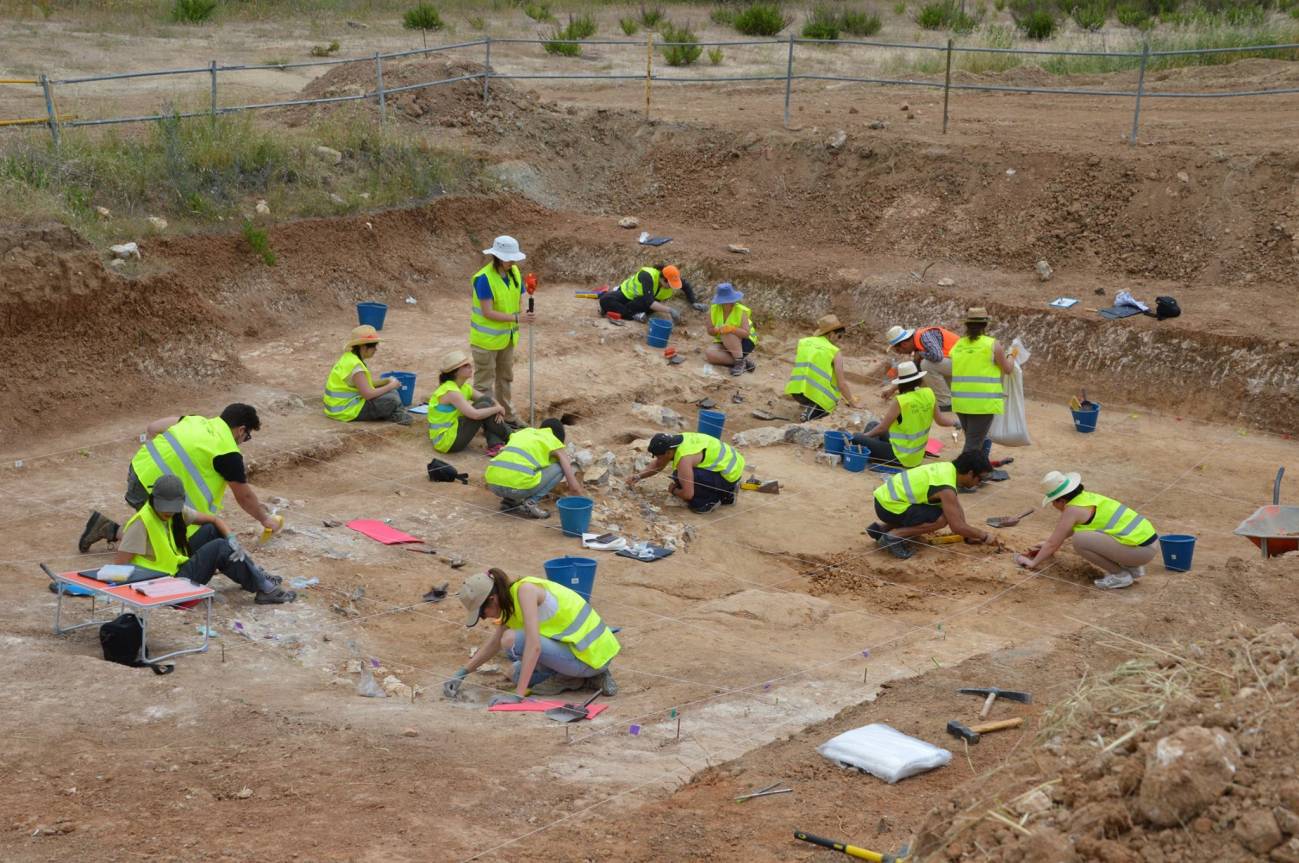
{"points": [[923, 499], [151, 539], [705, 472]]}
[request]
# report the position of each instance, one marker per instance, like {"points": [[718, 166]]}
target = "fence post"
{"points": [[1141, 89], [378, 74], [947, 84], [213, 104], [789, 77], [49, 108], [487, 65], [649, 69]]}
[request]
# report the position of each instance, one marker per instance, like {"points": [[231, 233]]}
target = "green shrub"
{"points": [[900, 8], [538, 12], [715, 56], [687, 49], [651, 17], [581, 27], [1294, 12], [192, 11], [822, 23], [629, 26], [477, 22], [859, 22], [999, 5], [1037, 22], [945, 15], [761, 19], [993, 36], [325, 50], [1132, 15], [722, 16], [562, 41], [1090, 15], [259, 242], [422, 17]]}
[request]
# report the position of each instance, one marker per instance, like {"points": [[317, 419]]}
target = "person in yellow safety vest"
{"points": [[351, 393], [923, 499], [648, 290], [154, 536], [733, 331], [817, 381], [930, 348], [456, 412], [555, 639], [497, 294], [705, 471], [528, 467], [1107, 534], [901, 435], [204, 453], [978, 362]]}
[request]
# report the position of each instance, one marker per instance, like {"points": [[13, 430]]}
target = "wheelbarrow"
{"points": [[1275, 528]]}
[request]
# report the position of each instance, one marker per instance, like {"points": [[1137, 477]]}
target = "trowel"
{"points": [[1009, 520], [572, 712], [770, 486]]}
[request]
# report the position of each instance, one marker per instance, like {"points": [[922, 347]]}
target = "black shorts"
{"points": [[916, 514]]}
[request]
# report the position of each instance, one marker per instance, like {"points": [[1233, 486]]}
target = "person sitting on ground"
{"points": [[204, 453], [978, 362], [456, 411], [817, 381], [901, 435], [1106, 534], [153, 536], [648, 290], [705, 471], [351, 393], [923, 499], [931, 349], [734, 334], [532, 463], [555, 639]]}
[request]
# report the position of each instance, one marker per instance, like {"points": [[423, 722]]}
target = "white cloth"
{"points": [[884, 752]]}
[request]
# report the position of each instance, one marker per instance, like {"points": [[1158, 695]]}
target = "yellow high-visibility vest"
{"points": [[909, 433], [1113, 519], [166, 558], [719, 457], [904, 490], [734, 319], [574, 623], [520, 463], [976, 377], [185, 450], [813, 374], [342, 399], [495, 335], [632, 288], [444, 420]]}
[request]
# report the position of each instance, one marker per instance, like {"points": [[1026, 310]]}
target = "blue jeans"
{"points": [[551, 474], [556, 658]]}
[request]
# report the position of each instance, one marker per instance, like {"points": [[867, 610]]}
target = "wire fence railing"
{"points": [[53, 90]]}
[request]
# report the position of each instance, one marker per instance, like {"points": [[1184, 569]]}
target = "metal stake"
{"points": [[487, 66], [532, 363], [378, 73], [1141, 89], [789, 77], [49, 108], [212, 109], [947, 84], [649, 69]]}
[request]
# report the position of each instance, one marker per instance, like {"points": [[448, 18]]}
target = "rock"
{"points": [[338, 200], [1183, 177], [946, 282], [357, 25], [836, 141], [1202, 825], [158, 223], [1044, 271], [453, 560], [244, 793], [1046, 845], [262, 208], [905, 107], [760, 436], [628, 222], [1287, 820], [852, 110], [1033, 803], [1258, 831], [409, 732], [1185, 773], [584, 458], [737, 249], [394, 688], [103, 212], [829, 458], [596, 475], [803, 436], [642, 461], [117, 263], [659, 415], [877, 125], [1010, 172], [1287, 853], [125, 251], [328, 154]]}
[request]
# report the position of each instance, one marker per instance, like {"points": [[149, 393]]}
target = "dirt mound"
{"points": [[1163, 759]]}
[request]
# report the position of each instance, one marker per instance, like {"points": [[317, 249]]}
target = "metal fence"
{"points": [[51, 88]]}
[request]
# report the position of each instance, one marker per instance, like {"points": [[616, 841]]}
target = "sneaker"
{"points": [[875, 531], [494, 450], [897, 546], [639, 317], [527, 509], [708, 507], [513, 424], [1136, 571], [557, 683], [605, 683], [750, 365], [1114, 581], [279, 596], [737, 368], [97, 527], [402, 417]]}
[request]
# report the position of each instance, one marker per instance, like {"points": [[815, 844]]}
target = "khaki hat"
{"points": [[473, 593], [362, 335], [168, 495], [828, 324], [898, 334], [453, 360], [907, 372], [1057, 484], [976, 315]]}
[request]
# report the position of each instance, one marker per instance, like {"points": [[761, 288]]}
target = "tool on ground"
{"points": [[852, 850], [706, 403], [993, 693], [676, 360], [1009, 520], [759, 413], [669, 352], [972, 733], [771, 486], [437, 594], [764, 792], [530, 285], [572, 712], [946, 538], [422, 549]]}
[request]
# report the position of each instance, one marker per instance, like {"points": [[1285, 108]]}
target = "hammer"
{"points": [[972, 733], [993, 694]]}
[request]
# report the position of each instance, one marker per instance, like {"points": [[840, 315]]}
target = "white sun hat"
{"points": [[505, 248], [898, 334], [907, 373], [1056, 485]]}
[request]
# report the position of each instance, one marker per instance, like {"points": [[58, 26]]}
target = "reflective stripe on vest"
{"points": [[911, 487], [525, 456], [719, 457], [734, 319], [631, 287], [1113, 519], [813, 372], [909, 433], [976, 378], [185, 451], [342, 400], [488, 334], [574, 623], [444, 420], [161, 542]]}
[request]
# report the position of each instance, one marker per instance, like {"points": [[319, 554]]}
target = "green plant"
{"points": [[900, 8], [422, 18], [993, 36], [1036, 21], [680, 48], [945, 15], [1132, 15], [259, 242], [477, 22], [325, 50], [276, 61], [652, 16], [821, 23], [1294, 12], [563, 42], [715, 56], [192, 11], [722, 16], [629, 26], [999, 5], [1090, 15], [581, 27], [538, 12], [761, 19], [859, 22], [46, 7]]}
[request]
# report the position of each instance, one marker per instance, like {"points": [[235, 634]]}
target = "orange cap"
{"points": [[673, 275]]}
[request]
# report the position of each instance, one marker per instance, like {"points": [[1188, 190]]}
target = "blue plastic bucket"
{"points": [[1085, 419], [372, 314], [855, 458], [660, 330], [407, 390], [576, 573], [712, 423], [835, 441], [1178, 549], [575, 514]]}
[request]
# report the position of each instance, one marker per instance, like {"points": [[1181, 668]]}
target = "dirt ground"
{"points": [[776, 624]]}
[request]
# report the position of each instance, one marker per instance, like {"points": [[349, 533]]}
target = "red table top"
{"points": [[128, 594]]}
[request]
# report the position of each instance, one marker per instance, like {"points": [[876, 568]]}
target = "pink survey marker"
{"points": [[542, 706], [381, 532], [934, 447]]}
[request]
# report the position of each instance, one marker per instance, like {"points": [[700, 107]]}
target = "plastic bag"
{"points": [[1010, 427], [884, 752]]}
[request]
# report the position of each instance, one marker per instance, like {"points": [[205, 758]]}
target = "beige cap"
{"points": [[453, 360], [1056, 484], [907, 372], [828, 324], [363, 335], [976, 315], [473, 593]]}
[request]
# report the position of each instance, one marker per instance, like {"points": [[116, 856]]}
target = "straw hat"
{"points": [[976, 315], [505, 248], [898, 334], [453, 360], [726, 293], [828, 324], [673, 275], [907, 372], [473, 593], [1056, 485], [362, 335]]}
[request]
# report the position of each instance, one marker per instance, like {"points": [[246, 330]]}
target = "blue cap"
{"points": [[726, 293]]}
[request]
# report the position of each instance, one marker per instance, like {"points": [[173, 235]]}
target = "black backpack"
{"points": [[1165, 307], [121, 638], [440, 471]]}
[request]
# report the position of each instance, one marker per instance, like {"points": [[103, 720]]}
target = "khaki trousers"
{"points": [[939, 379], [1108, 553], [493, 374]]}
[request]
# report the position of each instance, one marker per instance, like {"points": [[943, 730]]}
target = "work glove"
{"points": [[504, 698], [451, 689], [674, 315], [237, 553], [699, 307]]}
